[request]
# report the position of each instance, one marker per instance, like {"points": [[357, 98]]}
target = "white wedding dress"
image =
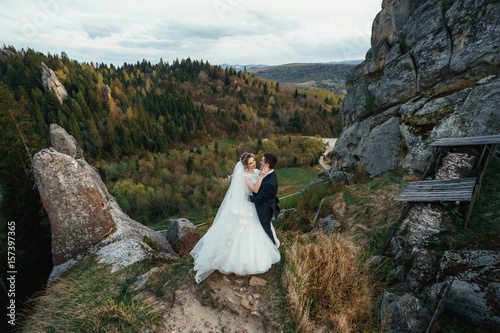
{"points": [[236, 242]]}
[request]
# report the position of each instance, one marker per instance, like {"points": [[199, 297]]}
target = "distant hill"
{"points": [[329, 76]]}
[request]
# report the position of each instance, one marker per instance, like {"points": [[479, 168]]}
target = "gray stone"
{"points": [[124, 253], [105, 93], [432, 55], [401, 314], [424, 21], [455, 166], [397, 274], [474, 293], [347, 143], [50, 81], [142, 279], [85, 218], [78, 209], [475, 32], [447, 102], [412, 105], [340, 177], [64, 143], [397, 83], [183, 235], [328, 225], [423, 270], [379, 150], [419, 151], [421, 225], [375, 57], [425, 48], [358, 107], [477, 116]]}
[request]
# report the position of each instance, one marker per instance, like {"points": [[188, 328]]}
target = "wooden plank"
{"points": [[435, 199], [439, 190], [467, 141]]}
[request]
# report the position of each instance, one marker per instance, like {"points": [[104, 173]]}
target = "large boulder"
{"points": [[50, 81], [84, 217], [78, 209], [183, 235], [64, 143]]}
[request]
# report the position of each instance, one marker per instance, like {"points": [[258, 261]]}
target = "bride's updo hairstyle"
{"points": [[245, 157]]}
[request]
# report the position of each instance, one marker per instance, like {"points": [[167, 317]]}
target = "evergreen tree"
{"points": [[190, 165], [260, 146]]}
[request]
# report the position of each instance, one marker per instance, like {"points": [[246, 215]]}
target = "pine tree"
{"points": [[260, 146], [190, 165]]}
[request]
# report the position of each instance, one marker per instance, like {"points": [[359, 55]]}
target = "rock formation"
{"points": [[64, 143], [78, 209], [50, 81], [84, 217], [432, 72]]}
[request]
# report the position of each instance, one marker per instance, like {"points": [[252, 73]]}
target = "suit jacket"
{"points": [[266, 202]]}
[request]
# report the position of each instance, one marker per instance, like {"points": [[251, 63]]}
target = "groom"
{"points": [[265, 199]]}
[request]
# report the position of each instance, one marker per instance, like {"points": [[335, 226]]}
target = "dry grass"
{"points": [[90, 299], [368, 211], [328, 288]]}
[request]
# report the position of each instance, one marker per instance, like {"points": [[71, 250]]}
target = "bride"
{"points": [[236, 242]]}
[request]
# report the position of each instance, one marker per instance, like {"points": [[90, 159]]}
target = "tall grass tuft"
{"points": [[329, 289]]}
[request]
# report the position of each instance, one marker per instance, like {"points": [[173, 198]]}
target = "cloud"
{"points": [[100, 31], [221, 31]]}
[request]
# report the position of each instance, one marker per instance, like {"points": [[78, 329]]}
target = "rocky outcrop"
{"points": [[433, 66], [105, 93], [50, 81], [84, 218], [64, 143], [432, 72], [78, 209]]}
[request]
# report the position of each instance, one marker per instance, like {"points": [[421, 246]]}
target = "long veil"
{"points": [[236, 197]]}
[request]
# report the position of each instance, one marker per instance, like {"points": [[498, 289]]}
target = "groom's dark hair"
{"points": [[270, 159]]}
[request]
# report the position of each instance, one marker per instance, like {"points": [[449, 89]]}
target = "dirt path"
{"points": [[227, 303], [329, 148]]}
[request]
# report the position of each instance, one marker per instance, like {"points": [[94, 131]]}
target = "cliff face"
{"points": [[432, 72]]}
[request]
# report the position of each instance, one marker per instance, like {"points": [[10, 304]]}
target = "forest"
{"points": [[163, 136]]}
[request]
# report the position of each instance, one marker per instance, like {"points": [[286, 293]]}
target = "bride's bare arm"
{"points": [[255, 188]]}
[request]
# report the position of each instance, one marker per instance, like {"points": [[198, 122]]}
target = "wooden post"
{"points": [[317, 213], [437, 309], [403, 215], [491, 150]]}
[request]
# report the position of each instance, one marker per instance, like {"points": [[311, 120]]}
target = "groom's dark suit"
{"points": [[266, 202]]}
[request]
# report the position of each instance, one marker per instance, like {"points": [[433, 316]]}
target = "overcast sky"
{"points": [[245, 32]]}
